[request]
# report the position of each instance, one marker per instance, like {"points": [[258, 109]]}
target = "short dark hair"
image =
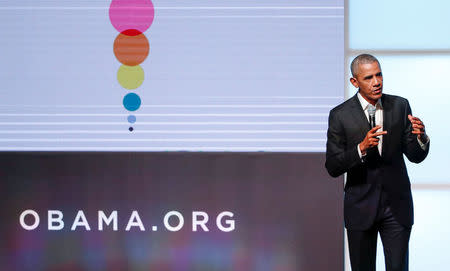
{"points": [[362, 59]]}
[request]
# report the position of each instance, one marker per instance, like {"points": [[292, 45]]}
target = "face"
{"points": [[369, 80]]}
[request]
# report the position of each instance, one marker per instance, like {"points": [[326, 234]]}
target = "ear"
{"points": [[354, 82]]}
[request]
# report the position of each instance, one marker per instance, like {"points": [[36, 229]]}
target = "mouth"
{"points": [[377, 91]]}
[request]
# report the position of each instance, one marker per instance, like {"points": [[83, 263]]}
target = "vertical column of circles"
{"points": [[131, 47]]}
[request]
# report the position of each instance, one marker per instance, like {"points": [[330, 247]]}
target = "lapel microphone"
{"points": [[371, 111]]}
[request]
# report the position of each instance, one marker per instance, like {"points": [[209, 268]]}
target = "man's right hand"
{"points": [[371, 139]]}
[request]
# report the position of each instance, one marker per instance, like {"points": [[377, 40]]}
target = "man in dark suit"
{"points": [[377, 191]]}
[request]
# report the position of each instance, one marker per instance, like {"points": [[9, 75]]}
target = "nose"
{"points": [[376, 81]]}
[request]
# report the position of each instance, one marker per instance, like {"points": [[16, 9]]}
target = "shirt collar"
{"points": [[364, 103]]}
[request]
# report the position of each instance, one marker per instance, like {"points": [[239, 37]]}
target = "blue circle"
{"points": [[131, 118], [131, 101]]}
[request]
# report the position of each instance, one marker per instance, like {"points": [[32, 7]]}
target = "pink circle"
{"points": [[131, 14]]}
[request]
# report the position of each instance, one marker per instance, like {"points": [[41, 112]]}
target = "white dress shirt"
{"points": [[378, 119]]}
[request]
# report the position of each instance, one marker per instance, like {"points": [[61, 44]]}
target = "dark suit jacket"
{"points": [[347, 127]]}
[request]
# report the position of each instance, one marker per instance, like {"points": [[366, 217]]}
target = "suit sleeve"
{"points": [[410, 145], [339, 157]]}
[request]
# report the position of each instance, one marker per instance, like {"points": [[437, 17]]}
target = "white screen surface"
{"points": [[236, 76]]}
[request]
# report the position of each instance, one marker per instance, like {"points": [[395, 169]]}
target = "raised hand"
{"points": [[418, 127], [371, 139]]}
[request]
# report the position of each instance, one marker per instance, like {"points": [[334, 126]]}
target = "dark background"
{"points": [[287, 210]]}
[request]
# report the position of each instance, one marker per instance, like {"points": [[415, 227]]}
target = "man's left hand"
{"points": [[418, 128]]}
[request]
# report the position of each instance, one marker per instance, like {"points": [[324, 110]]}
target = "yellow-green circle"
{"points": [[130, 77]]}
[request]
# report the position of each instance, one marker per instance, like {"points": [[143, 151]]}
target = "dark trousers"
{"points": [[394, 236]]}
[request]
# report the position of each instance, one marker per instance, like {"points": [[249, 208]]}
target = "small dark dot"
{"points": [[131, 129]]}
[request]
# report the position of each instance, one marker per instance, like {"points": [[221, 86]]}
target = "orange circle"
{"points": [[131, 50]]}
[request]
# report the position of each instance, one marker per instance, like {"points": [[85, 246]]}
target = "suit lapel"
{"points": [[359, 117], [387, 120]]}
